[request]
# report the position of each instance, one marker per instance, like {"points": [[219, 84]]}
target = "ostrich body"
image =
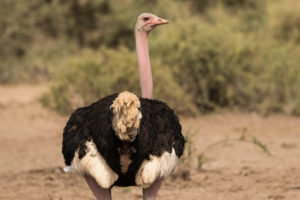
{"points": [[122, 139]]}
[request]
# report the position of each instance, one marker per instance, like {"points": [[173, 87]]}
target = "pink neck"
{"points": [[141, 39]]}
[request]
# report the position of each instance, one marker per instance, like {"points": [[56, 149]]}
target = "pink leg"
{"points": [[151, 192], [99, 192]]}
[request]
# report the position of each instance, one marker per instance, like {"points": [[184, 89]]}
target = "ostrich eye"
{"points": [[146, 19]]}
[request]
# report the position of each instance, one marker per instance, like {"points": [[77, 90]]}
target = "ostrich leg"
{"points": [[99, 192], [150, 193]]}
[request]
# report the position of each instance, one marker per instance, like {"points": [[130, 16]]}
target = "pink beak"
{"points": [[159, 21]]}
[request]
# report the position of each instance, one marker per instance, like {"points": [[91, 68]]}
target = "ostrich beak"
{"points": [[160, 21]]}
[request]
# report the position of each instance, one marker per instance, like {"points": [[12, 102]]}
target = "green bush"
{"points": [[215, 54], [92, 75], [287, 26], [220, 66]]}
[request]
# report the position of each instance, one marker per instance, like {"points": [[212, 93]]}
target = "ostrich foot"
{"points": [[150, 193], [99, 192]]}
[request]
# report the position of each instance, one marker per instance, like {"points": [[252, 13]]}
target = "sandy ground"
{"points": [[233, 169]]}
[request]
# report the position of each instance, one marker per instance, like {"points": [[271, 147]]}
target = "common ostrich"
{"points": [[122, 139]]}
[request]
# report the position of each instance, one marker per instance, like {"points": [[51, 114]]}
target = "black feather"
{"points": [[160, 131]]}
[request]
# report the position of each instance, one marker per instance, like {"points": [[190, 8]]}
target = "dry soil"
{"points": [[235, 166]]}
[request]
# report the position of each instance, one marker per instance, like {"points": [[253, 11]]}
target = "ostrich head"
{"points": [[147, 22]]}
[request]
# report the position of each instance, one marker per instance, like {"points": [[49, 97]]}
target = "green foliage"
{"points": [[221, 53], [221, 66], [250, 12], [90, 75], [98, 74], [262, 146], [287, 26]]}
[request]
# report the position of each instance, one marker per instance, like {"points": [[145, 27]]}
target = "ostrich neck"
{"points": [[146, 83]]}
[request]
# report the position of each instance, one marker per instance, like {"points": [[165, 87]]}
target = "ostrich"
{"points": [[125, 140]]}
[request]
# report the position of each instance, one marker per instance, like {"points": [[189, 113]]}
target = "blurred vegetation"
{"points": [[238, 54]]}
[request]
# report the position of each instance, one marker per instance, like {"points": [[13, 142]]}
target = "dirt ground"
{"points": [[235, 165]]}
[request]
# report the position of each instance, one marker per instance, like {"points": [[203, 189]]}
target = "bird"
{"points": [[122, 139]]}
